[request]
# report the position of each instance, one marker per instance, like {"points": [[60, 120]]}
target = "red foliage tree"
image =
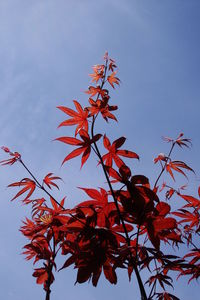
{"points": [[124, 226]]}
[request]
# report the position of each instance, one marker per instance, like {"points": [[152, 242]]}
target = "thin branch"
{"points": [[43, 188], [164, 167]]}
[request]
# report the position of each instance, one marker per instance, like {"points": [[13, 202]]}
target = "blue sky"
{"points": [[47, 50]]}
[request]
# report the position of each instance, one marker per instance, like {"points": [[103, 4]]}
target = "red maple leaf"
{"points": [[93, 91], [85, 145], [188, 217], [49, 180], [112, 79], [180, 141], [114, 154], [112, 65], [15, 156], [27, 184], [98, 73], [192, 201], [42, 276], [100, 204], [177, 166], [166, 296], [102, 107], [79, 118]]}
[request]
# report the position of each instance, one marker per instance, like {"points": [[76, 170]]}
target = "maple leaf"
{"points": [[90, 244], [102, 107], [98, 73], [38, 249], [28, 228], [179, 141], [182, 141], [15, 156], [169, 193], [93, 91], [195, 254], [188, 217], [110, 273], [160, 157], [49, 180], [42, 276], [113, 80], [114, 154], [192, 201], [36, 204], [162, 279], [100, 204], [6, 149], [100, 197], [159, 227], [161, 224], [27, 184], [162, 209], [79, 118], [194, 270], [85, 145], [47, 215], [166, 296], [111, 61], [112, 65], [177, 166], [122, 176]]}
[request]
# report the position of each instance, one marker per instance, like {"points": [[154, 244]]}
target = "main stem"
{"points": [[48, 282], [140, 283], [50, 268]]}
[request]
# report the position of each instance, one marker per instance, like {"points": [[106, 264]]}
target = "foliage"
{"points": [[126, 226]]}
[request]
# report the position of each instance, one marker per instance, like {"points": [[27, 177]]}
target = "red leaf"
{"points": [[49, 180], [102, 106], [98, 73], [27, 184], [114, 154], [85, 145], [41, 275], [163, 208], [69, 140], [119, 142], [85, 156], [127, 153], [110, 273], [113, 80], [15, 156], [176, 166], [188, 217], [164, 223], [73, 154], [79, 118], [94, 194], [192, 202]]}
